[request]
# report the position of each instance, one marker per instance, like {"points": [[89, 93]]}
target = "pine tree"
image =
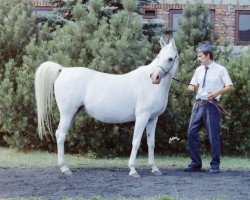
{"points": [[16, 28], [235, 126], [114, 44]]}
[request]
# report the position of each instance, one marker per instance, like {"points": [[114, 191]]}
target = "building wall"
{"points": [[224, 14]]}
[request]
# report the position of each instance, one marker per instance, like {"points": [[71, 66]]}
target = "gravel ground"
{"points": [[116, 184]]}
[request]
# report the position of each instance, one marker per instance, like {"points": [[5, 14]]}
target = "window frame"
{"points": [[171, 13], [237, 26], [212, 21], [150, 16], [179, 11], [41, 8]]}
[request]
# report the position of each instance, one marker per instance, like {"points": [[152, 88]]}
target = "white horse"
{"points": [[140, 95]]}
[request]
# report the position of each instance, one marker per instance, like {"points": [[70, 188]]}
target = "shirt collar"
{"points": [[209, 66]]}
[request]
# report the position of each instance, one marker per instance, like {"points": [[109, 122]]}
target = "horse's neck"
{"points": [[167, 82], [152, 64]]}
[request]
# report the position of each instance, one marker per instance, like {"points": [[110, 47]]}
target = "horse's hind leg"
{"points": [[64, 125], [150, 128], [140, 124]]}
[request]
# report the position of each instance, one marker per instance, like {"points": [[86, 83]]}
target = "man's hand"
{"points": [[214, 94], [192, 88]]}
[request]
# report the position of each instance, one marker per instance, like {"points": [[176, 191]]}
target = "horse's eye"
{"points": [[170, 59]]}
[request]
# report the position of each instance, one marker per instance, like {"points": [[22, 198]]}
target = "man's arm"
{"points": [[193, 85], [226, 89]]}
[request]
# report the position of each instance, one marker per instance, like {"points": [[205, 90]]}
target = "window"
{"points": [[149, 13], [211, 19], [41, 11], [174, 17], [242, 27]]}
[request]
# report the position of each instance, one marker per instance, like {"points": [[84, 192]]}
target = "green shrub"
{"points": [[235, 127], [113, 44]]}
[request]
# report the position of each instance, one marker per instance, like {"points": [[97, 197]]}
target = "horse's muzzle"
{"points": [[155, 79]]}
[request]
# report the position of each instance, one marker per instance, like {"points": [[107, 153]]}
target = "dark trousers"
{"points": [[204, 112]]}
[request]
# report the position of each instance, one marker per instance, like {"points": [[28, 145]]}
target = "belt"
{"points": [[206, 100]]}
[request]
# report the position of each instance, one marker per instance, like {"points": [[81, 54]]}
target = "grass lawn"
{"points": [[10, 158]]}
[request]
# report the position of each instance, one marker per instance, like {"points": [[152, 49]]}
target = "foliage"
{"points": [[113, 45], [16, 28], [235, 127], [63, 10], [195, 29]]}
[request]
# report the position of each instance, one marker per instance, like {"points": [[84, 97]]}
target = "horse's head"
{"points": [[166, 61]]}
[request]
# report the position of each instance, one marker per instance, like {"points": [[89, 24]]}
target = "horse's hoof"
{"points": [[67, 172], [157, 173], [135, 175]]}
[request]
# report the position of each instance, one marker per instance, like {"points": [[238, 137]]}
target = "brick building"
{"points": [[230, 18], [42, 7]]}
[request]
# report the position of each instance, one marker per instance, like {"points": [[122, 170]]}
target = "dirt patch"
{"points": [[115, 183]]}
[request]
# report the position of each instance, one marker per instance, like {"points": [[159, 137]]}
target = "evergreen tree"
{"points": [[235, 126], [113, 44], [16, 28], [62, 11]]}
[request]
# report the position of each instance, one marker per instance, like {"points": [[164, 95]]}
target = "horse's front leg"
{"points": [[150, 128], [140, 124]]}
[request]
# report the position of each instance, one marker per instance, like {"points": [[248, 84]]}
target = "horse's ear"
{"points": [[162, 42], [172, 42]]}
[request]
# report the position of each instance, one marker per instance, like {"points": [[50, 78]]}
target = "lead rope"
{"points": [[183, 82], [219, 106]]}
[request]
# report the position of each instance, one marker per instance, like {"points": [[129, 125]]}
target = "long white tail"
{"points": [[45, 77]]}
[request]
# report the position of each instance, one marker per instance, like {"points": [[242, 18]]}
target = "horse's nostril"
{"points": [[157, 77], [151, 75]]}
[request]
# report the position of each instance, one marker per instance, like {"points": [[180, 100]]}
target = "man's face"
{"points": [[203, 59]]}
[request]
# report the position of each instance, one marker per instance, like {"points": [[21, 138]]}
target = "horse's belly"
{"points": [[112, 116], [111, 110]]}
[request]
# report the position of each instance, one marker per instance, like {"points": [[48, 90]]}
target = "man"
{"points": [[210, 80]]}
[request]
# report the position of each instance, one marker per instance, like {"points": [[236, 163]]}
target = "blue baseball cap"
{"points": [[204, 48]]}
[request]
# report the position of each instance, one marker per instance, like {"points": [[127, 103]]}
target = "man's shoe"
{"points": [[191, 168], [214, 171]]}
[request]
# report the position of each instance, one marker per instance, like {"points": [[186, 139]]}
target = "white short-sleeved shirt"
{"points": [[217, 78]]}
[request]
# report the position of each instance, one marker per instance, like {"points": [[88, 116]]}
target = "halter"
{"points": [[180, 81], [166, 72]]}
